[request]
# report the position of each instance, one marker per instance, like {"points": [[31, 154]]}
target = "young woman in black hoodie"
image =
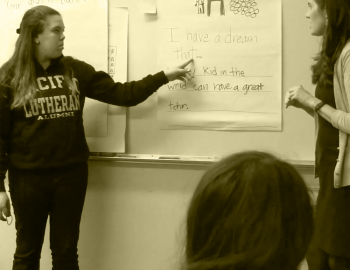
{"points": [[43, 145]]}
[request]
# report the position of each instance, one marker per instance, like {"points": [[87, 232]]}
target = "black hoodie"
{"points": [[48, 131]]}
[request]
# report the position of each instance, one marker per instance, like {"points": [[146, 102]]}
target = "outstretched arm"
{"points": [[102, 87]]}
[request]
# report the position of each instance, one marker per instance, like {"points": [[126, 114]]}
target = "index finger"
{"points": [[186, 63]]}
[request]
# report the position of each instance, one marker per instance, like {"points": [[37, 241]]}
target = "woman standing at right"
{"points": [[330, 247]]}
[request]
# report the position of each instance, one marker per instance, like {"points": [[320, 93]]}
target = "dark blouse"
{"points": [[332, 215], [328, 137]]}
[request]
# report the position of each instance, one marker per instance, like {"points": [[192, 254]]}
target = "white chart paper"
{"points": [[236, 48]]}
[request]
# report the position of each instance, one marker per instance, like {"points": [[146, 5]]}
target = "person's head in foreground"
{"points": [[249, 211]]}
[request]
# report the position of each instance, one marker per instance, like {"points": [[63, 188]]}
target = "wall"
{"points": [[133, 217]]}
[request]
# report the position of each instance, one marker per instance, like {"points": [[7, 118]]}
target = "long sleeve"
{"points": [[341, 117], [5, 115], [100, 86]]}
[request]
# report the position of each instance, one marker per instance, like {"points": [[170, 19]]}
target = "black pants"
{"points": [[58, 193]]}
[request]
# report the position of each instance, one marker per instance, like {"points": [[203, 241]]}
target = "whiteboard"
{"points": [[142, 134], [296, 139], [114, 141]]}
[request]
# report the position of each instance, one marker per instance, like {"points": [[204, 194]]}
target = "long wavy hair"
{"points": [[249, 211], [18, 72], [335, 38]]}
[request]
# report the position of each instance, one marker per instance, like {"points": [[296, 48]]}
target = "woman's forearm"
{"points": [[326, 112]]}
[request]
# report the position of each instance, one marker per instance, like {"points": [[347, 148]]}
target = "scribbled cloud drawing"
{"points": [[222, 6], [245, 7], [200, 5]]}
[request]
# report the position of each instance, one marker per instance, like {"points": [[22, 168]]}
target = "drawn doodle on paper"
{"points": [[222, 6], [245, 7], [200, 5]]}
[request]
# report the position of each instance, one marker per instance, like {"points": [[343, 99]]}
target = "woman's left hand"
{"points": [[298, 97], [5, 209]]}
